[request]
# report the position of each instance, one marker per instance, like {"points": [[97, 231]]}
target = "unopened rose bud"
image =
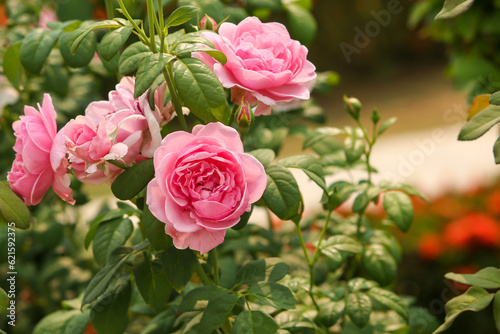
{"points": [[352, 106], [244, 117], [208, 23], [375, 116]]}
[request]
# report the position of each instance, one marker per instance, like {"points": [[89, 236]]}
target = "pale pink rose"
{"points": [[32, 174], [123, 98], [103, 134], [264, 65], [203, 183]]}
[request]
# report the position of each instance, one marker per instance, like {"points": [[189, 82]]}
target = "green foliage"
{"points": [[12, 208], [200, 89], [109, 313], [475, 299], [4, 301], [453, 8], [132, 181]]}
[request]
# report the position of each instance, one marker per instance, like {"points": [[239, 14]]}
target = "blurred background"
{"points": [[390, 54]]}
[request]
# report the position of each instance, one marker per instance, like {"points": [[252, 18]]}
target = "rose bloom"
{"points": [[203, 183], [32, 174], [90, 141], [123, 129], [264, 65]]}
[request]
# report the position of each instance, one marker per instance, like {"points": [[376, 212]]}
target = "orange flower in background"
{"points": [[430, 246], [3, 16], [493, 202], [473, 229]]}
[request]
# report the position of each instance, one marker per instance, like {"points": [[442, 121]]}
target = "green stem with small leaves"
{"points": [[140, 33], [215, 264]]}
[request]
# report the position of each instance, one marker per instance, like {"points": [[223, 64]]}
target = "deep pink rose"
{"points": [[264, 65], [203, 183], [32, 174]]}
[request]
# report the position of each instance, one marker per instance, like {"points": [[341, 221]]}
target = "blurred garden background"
{"points": [[390, 54]]}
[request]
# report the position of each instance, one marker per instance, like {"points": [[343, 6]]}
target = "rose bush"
{"points": [[32, 174], [264, 65], [203, 183]]}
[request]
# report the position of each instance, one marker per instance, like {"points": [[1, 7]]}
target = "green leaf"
{"points": [[155, 230], [151, 281], [217, 311], [254, 322], [83, 55], [36, 48], [330, 312], [475, 299], [341, 243], [99, 283], [453, 8], [495, 98], [339, 192], [12, 208], [109, 235], [132, 57], [487, 278], [264, 155], [480, 123], [113, 41], [106, 216], [149, 69], [109, 313], [354, 149], [197, 299], [81, 33], [379, 264], [273, 294], [399, 209], [496, 310], [358, 308], [180, 265], [4, 301], [56, 322], [496, 151], [282, 194], [162, 323], [200, 89], [132, 181], [214, 53], [181, 15], [269, 269], [77, 323], [385, 125], [309, 164], [390, 300], [359, 283], [303, 25], [12, 67], [112, 65]]}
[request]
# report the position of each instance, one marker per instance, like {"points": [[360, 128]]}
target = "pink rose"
{"points": [[90, 141], [203, 183], [264, 65], [32, 174], [123, 98]]}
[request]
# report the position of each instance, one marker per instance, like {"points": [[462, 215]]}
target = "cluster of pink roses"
{"points": [[203, 180], [123, 129]]}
